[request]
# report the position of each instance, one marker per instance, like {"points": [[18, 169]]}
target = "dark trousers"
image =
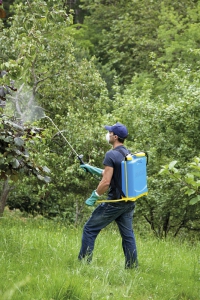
{"points": [[104, 214]]}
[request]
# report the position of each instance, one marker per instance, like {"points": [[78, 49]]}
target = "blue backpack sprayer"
{"points": [[134, 177]]}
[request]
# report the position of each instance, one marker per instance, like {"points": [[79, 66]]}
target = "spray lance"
{"points": [[96, 172], [78, 156]]}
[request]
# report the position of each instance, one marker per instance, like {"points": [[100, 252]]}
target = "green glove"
{"points": [[93, 198], [92, 170]]}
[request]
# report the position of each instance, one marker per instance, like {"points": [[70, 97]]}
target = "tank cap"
{"points": [[139, 154], [129, 157]]}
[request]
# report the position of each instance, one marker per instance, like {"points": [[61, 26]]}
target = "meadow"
{"points": [[38, 261]]}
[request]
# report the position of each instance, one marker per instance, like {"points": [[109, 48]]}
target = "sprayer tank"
{"points": [[134, 175]]}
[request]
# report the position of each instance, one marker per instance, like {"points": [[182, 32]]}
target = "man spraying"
{"points": [[106, 212]]}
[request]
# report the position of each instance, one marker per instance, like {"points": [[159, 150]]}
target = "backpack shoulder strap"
{"points": [[120, 150], [116, 183]]}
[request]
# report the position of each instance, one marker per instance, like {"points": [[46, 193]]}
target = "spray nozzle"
{"points": [[80, 159]]}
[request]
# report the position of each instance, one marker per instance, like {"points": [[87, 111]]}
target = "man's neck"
{"points": [[117, 144]]}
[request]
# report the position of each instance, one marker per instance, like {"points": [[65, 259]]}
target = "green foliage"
{"points": [[179, 33], [120, 43], [188, 177], [165, 120], [71, 90], [28, 37], [14, 155], [125, 34]]}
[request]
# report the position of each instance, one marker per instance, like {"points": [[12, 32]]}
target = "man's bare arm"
{"points": [[105, 181]]}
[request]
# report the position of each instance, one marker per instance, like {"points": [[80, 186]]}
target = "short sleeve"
{"points": [[109, 159]]}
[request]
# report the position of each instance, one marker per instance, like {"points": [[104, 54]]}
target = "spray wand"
{"points": [[78, 156]]}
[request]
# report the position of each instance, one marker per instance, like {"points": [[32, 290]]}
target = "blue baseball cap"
{"points": [[119, 129]]}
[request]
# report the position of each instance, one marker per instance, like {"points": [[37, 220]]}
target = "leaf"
{"points": [[164, 170], [172, 164], [18, 152], [189, 192], [197, 174], [40, 177], [194, 200], [15, 163], [8, 139], [189, 178], [44, 178], [47, 179], [184, 188], [46, 170], [18, 142]]}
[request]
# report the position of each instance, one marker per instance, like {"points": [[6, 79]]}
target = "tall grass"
{"points": [[38, 261]]}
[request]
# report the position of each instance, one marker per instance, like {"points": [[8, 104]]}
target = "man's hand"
{"points": [[93, 198]]}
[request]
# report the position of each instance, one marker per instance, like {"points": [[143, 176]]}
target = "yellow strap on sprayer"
{"points": [[124, 198], [126, 177]]}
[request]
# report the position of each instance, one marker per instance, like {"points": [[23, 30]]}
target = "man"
{"points": [[120, 212]]}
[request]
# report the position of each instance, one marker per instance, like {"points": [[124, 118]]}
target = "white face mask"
{"points": [[108, 137]]}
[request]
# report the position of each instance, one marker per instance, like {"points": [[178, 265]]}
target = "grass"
{"points": [[38, 261]]}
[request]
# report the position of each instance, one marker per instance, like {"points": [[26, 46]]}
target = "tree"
{"points": [[124, 34], [66, 87], [179, 34]]}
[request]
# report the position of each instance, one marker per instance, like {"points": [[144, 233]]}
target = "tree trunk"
{"points": [[4, 195]]}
